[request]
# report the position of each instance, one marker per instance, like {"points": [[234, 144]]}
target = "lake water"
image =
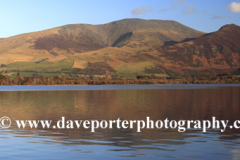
{"points": [[128, 102]]}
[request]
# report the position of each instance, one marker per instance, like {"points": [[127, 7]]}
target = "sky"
{"points": [[23, 16]]}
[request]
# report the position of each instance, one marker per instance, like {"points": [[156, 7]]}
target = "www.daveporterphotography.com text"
{"points": [[148, 123]]}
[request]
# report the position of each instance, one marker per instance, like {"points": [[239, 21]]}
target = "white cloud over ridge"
{"points": [[234, 7], [142, 10]]}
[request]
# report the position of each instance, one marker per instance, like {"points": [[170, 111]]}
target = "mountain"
{"points": [[124, 47], [217, 52], [83, 37]]}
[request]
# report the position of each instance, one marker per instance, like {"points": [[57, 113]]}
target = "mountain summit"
{"points": [[84, 37]]}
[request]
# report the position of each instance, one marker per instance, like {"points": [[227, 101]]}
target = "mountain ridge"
{"points": [[124, 47]]}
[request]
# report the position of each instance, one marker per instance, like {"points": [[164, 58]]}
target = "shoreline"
{"points": [[113, 87]]}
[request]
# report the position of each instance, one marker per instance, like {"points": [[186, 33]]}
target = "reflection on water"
{"points": [[202, 104]]}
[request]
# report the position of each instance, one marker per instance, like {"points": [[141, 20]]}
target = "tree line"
{"points": [[61, 80]]}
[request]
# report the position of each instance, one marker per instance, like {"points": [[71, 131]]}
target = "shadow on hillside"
{"points": [[172, 43], [121, 39]]}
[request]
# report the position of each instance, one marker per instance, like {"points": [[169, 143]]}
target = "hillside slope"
{"points": [[214, 52], [124, 47]]}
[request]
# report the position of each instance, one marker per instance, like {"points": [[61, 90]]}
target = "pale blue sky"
{"points": [[22, 16]]}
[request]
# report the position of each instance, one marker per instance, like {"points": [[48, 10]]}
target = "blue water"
{"points": [[108, 102]]}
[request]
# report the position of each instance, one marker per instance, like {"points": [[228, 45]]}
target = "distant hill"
{"points": [[217, 52], [124, 47]]}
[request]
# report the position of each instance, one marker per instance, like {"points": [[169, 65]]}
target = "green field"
{"points": [[132, 69], [44, 66]]}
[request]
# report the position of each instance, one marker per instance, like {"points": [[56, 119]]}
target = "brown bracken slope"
{"points": [[215, 52]]}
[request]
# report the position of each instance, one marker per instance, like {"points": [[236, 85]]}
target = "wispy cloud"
{"points": [[220, 17], [191, 10], [164, 9], [142, 10], [204, 12], [178, 3], [234, 7]]}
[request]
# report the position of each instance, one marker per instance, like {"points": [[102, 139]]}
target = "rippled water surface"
{"points": [[129, 103]]}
